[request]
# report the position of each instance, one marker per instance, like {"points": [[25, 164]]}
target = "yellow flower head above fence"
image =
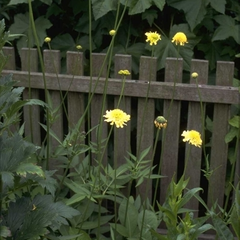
{"points": [[194, 75], [47, 40], [117, 117], [112, 32], [152, 37], [123, 72], [160, 122], [180, 38], [193, 137]]}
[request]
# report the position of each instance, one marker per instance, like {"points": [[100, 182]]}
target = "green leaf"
{"points": [[194, 10], [222, 230], [231, 134], [21, 26], [150, 219], [227, 29], [48, 2], [150, 15], [13, 152], [165, 48], [218, 5], [139, 6], [128, 216], [235, 121], [31, 168], [7, 179], [102, 7], [14, 2], [160, 3], [5, 232]]}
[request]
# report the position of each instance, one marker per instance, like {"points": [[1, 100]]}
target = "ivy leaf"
{"points": [[194, 10], [218, 5], [165, 48], [102, 7], [160, 3], [150, 15], [139, 6], [21, 26], [227, 29]]}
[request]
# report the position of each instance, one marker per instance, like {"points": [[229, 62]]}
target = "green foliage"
{"points": [[207, 24]]}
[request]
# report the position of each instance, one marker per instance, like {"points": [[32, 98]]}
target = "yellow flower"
{"points": [[47, 40], [117, 117], [193, 137], [112, 32], [152, 37], [78, 47], [180, 38], [124, 72], [194, 75], [160, 122]]}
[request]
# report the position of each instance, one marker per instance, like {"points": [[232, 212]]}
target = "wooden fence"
{"points": [[220, 97]]}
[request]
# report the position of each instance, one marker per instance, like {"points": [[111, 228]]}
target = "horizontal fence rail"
{"points": [[219, 97]]}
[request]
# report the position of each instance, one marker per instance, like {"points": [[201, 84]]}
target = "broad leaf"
{"points": [[194, 10], [165, 48], [222, 230], [227, 29], [102, 7], [21, 26], [160, 3], [218, 5], [128, 216], [31, 168], [235, 121], [139, 6], [13, 152]]}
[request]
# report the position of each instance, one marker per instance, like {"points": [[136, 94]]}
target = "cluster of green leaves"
{"points": [[27, 205], [207, 24]]}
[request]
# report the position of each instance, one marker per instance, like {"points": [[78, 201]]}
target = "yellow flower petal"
{"points": [[180, 38], [152, 37], [160, 122], [124, 72], [193, 137], [117, 117]]}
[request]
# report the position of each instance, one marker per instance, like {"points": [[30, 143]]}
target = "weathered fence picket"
{"points": [[222, 95]]}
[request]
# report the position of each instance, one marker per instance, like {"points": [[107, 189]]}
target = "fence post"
{"points": [[145, 119], [171, 111], [219, 151], [31, 114]]}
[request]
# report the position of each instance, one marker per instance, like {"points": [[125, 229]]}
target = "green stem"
{"points": [[232, 170], [148, 179], [44, 81], [186, 160], [145, 106], [164, 131]]}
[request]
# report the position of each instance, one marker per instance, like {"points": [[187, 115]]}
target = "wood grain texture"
{"points": [[99, 70], [219, 150], [29, 63], [134, 88], [145, 119], [122, 135], [195, 121], [170, 139]]}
